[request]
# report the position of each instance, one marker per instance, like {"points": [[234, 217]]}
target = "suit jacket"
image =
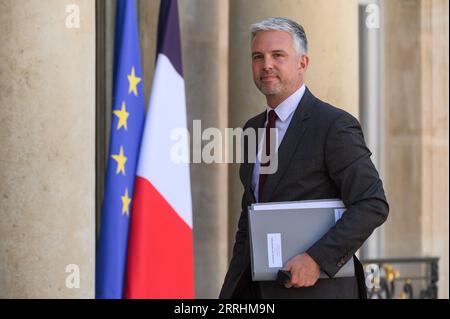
{"points": [[322, 155]]}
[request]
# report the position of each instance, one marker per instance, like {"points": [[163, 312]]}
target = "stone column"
{"points": [[403, 123], [434, 153], [47, 140], [416, 99], [332, 31]]}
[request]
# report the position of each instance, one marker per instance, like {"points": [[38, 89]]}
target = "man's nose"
{"points": [[268, 63]]}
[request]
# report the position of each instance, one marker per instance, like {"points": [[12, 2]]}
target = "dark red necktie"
{"points": [[272, 117]]}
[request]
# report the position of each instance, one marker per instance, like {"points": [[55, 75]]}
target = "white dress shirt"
{"points": [[285, 111]]}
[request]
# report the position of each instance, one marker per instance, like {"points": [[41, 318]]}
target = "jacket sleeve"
{"points": [[349, 166]]}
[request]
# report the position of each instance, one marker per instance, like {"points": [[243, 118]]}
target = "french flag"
{"points": [[160, 245]]}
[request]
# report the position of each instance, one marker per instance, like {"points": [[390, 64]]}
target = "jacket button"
{"points": [[339, 264]]}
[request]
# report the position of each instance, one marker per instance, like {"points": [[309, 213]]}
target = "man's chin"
{"points": [[269, 91]]}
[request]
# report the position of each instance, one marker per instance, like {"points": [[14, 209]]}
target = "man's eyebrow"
{"points": [[279, 51], [273, 51]]}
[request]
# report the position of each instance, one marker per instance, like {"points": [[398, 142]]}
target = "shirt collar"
{"points": [[288, 106]]}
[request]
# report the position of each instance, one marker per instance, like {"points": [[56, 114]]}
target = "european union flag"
{"points": [[126, 130]]}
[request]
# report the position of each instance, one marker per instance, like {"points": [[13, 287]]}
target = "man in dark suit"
{"points": [[321, 155]]}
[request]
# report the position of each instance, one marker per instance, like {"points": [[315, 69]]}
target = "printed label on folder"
{"points": [[274, 250]]}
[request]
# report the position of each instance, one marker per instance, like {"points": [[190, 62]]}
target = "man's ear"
{"points": [[303, 62]]}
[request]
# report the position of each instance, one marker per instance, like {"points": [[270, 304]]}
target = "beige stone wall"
{"points": [[416, 99], [434, 138], [332, 31], [47, 141], [403, 128]]}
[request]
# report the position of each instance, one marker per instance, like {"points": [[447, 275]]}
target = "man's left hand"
{"points": [[304, 271]]}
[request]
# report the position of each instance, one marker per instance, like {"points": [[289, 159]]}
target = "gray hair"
{"points": [[282, 24]]}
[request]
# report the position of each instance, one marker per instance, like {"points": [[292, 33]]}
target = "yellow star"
{"points": [[134, 81], [121, 160], [123, 116], [126, 203]]}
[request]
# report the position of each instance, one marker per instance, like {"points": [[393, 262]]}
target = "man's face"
{"points": [[277, 71]]}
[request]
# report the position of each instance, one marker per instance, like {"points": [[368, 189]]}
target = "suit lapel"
{"points": [[291, 139], [249, 166]]}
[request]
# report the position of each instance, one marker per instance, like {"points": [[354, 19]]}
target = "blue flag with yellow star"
{"points": [[126, 130]]}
